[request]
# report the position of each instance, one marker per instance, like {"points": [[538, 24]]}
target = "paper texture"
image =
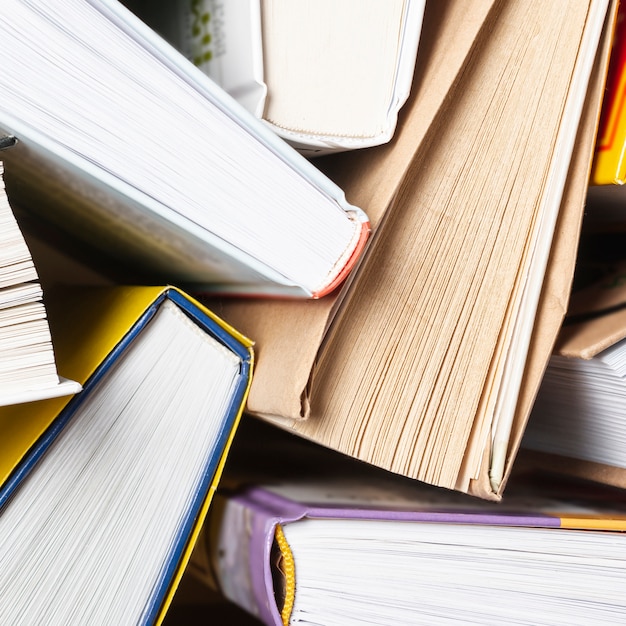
{"points": [[120, 187], [244, 525], [288, 334], [64, 387], [284, 396], [596, 321], [89, 343], [559, 274]]}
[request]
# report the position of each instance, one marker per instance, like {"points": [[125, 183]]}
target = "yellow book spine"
{"points": [[288, 568]]}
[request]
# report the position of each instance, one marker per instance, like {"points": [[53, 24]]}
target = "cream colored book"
{"points": [[325, 75], [429, 361]]}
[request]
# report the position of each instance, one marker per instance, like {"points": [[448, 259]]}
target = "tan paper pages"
{"points": [[403, 367], [288, 334], [557, 284]]}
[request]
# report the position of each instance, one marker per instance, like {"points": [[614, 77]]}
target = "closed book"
{"points": [[325, 76], [428, 360], [577, 423], [103, 494], [306, 536], [28, 368], [152, 171]]}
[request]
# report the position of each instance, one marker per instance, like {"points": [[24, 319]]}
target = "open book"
{"points": [[429, 359], [324, 75], [125, 146]]}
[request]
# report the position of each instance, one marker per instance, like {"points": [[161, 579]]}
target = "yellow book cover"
{"points": [[103, 494]]}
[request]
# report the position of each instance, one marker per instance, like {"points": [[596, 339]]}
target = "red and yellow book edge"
{"points": [[609, 167]]}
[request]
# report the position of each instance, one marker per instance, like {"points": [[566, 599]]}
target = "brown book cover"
{"points": [[396, 369]]}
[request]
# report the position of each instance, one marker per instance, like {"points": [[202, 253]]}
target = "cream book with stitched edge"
{"points": [[325, 75]]}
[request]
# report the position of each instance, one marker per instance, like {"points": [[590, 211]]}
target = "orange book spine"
{"points": [[609, 166]]}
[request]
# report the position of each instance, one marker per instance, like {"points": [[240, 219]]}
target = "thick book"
{"points": [[428, 360], [315, 540], [28, 369], [103, 495], [577, 423], [126, 146], [324, 75]]}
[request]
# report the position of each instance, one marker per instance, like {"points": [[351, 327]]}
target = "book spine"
{"points": [[242, 540]]}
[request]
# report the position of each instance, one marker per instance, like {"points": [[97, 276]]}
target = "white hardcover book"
{"points": [[128, 147], [325, 75], [28, 370]]}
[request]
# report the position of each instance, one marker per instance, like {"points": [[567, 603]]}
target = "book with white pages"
{"points": [[102, 494], [136, 156], [577, 424], [300, 535], [28, 370]]}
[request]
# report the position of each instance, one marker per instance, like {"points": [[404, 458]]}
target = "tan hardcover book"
{"points": [[427, 362]]}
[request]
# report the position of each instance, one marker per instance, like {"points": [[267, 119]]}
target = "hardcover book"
{"points": [[326, 76], [102, 495], [577, 423], [151, 170], [428, 360], [28, 369], [304, 535]]}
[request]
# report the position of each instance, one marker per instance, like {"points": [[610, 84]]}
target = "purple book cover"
{"points": [[247, 532]]}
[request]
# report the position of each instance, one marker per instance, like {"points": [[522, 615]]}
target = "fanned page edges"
{"points": [[255, 565], [28, 364], [168, 225], [123, 315]]}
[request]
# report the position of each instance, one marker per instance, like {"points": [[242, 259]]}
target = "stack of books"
{"points": [[282, 284]]}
